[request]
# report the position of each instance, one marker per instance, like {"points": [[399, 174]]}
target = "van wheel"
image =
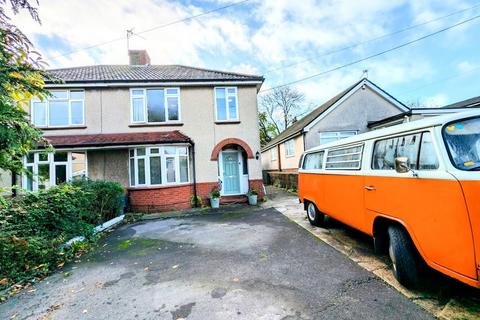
{"points": [[403, 255], [315, 217]]}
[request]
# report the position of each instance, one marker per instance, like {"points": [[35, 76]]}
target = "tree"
{"points": [[413, 104], [22, 74], [282, 107], [267, 130]]}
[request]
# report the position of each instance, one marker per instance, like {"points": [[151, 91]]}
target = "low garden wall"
{"points": [[286, 180]]}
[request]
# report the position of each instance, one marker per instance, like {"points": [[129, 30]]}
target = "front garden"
{"points": [[35, 226]]}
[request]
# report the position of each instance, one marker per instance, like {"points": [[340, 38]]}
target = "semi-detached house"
{"points": [[165, 132]]}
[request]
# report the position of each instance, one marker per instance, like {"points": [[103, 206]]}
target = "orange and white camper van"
{"points": [[414, 187]]}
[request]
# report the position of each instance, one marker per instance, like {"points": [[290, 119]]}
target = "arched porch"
{"points": [[233, 173]]}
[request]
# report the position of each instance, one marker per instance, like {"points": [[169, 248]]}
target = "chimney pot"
{"points": [[138, 57]]}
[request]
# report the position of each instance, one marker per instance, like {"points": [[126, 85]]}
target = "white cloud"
{"points": [[83, 23], [251, 38], [467, 66]]}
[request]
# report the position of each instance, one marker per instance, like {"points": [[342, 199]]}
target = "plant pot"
{"points": [[252, 200], [215, 202]]}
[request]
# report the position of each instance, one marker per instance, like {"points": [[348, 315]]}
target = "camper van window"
{"points": [[313, 161], [387, 150], [463, 143], [428, 157], [345, 158]]}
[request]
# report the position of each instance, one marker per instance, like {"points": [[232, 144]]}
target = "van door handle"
{"points": [[370, 188]]}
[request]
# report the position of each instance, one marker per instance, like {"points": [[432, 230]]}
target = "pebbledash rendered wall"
{"points": [[107, 110]]}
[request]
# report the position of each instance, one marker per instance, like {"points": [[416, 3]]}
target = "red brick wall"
{"points": [[154, 199], [257, 184]]}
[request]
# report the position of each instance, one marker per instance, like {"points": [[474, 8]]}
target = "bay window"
{"points": [[155, 105], [63, 108], [158, 165], [48, 169], [226, 104]]}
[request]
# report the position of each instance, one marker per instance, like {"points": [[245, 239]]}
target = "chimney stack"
{"points": [[138, 57]]}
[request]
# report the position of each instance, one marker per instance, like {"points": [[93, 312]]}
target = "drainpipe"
{"points": [[14, 184], [278, 157], [195, 201]]}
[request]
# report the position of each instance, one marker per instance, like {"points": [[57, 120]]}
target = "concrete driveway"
{"points": [[238, 264]]}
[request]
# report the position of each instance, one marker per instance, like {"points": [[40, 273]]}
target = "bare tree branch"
{"points": [[282, 107]]}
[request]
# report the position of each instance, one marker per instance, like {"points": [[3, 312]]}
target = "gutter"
{"points": [[101, 84], [282, 140]]}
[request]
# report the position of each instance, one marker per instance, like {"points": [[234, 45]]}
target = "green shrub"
{"points": [[107, 198], [215, 194], [34, 226], [199, 201]]}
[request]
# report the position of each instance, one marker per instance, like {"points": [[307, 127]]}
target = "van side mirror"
{"points": [[401, 166]]}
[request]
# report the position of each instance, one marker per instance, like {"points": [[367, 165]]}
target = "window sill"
{"points": [[228, 122], [176, 185], [290, 156], [62, 128], [166, 124]]}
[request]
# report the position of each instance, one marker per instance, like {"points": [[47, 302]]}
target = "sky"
{"points": [[282, 40]]}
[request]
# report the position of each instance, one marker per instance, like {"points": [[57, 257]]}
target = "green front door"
{"points": [[231, 176]]}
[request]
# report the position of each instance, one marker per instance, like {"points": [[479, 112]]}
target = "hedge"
{"points": [[34, 226]]}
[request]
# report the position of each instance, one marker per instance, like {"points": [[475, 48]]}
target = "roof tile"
{"points": [[127, 73], [116, 139]]}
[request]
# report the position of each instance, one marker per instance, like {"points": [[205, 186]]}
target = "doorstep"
{"points": [[233, 199]]}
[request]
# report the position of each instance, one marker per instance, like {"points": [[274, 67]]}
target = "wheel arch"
{"points": [[380, 233], [306, 201]]}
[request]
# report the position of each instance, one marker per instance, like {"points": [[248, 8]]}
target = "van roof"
{"points": [[399, 128]]}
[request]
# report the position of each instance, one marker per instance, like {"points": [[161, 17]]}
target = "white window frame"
{"points": [[273, 154], [51, 162], [358, 161], [227, 95], [163, 163], [306, 155], [47, 112], [337, 135], [290, 148], [145, 107]]}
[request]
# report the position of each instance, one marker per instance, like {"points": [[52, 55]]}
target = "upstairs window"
{"points": [[155, 105], [226, 104], [326, 137], [290, 148], [62, 109], [349, 158]]}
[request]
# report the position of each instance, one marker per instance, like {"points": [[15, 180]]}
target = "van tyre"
{"points": [[404, 256], [315, 217]]}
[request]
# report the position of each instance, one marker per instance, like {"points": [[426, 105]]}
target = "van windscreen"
{"points": [[463, 143]]}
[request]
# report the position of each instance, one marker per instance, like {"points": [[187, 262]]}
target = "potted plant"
{"points": [[252, 196], [214, 198]]}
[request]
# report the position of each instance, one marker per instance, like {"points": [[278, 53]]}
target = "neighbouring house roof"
{"points": [[146, 73], [380, 122], [468, 103], [298, 127], [454, 107], [116, 139]]}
